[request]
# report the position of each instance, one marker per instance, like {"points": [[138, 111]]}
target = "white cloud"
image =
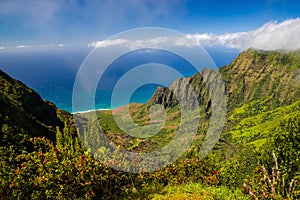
{"points": [[22, 46], [64, 19], [106, 43], [270, 36], [147, 43]]}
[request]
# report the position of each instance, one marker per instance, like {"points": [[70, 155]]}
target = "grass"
{"points": [[188, 191]]}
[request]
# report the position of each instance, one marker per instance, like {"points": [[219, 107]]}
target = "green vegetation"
{"points": [[189, 191], [257, 156], [24, 112], [253, 126]]}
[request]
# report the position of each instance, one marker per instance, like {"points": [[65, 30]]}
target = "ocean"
{"points": [[52, 72]]}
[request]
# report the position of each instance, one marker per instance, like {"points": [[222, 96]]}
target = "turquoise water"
{"points": [[52, 72]]}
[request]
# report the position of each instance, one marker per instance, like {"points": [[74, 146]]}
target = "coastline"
{"points": [[87, 111]]}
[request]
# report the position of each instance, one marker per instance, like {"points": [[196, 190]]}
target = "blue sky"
{"points": [[78, 22], [235, 16]]}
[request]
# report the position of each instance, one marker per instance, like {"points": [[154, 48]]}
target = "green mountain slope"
{"points": [[260, 86], [22, 111]]}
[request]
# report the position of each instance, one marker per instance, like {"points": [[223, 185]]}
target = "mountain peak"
{"points": [[254, 74]]}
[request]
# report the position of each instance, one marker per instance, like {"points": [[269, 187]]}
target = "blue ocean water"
{"points": [[52, 72]]}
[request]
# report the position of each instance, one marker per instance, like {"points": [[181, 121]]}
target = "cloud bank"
{"points": [[270, 36], [146, 43]]}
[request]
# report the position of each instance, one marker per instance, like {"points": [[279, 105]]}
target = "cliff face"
{"points": [[180, 90], [257, 75], [22, 111], [253, 75]]}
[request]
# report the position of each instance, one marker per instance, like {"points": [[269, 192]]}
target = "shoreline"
{"points": [[87, 111]]}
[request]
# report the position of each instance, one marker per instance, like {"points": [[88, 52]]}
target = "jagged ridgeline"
{"points": [[253, 75], [24, 113]]}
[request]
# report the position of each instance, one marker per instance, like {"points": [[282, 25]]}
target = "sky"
{"points": [[231, 23]]}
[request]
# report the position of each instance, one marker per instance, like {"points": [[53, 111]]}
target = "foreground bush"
{"points": [[68, 171], [50, 172]]}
